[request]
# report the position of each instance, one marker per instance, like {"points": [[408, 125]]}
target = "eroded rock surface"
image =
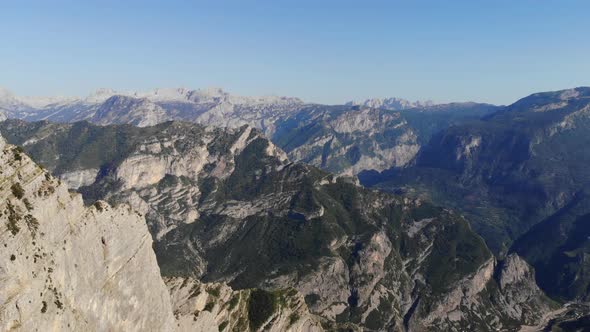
{"points": [[65, 266]]}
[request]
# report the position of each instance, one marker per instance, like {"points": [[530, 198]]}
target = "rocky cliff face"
{"points": [[227, 206], [70, 267], [347, 140]]}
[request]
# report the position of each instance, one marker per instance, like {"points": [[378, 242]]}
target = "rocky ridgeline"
{"points": [[343, 139], [396, 104], [72, 267], [347, 140]]}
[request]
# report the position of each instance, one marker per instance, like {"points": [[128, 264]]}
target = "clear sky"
{"points": [[322, 51]]}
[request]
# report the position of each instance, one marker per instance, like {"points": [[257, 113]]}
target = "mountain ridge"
{"points": [[62, 258], [519, 176], [360, 258], [343, 139]]}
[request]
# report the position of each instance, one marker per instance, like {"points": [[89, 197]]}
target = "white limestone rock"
{"points": [[65, 266]]}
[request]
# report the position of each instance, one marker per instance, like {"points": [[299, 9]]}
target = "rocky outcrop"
{"points": [[69, 267], [498, 297], [80, 178], [521, 298], [216, 307]]}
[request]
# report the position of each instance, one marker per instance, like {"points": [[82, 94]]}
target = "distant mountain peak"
{"points": [[392, 103], [208, 95]]}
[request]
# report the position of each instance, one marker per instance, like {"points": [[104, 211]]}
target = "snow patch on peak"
{"points": [[391, 103]]}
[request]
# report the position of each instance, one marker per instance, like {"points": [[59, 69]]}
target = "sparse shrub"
{"points": [[44, 307], [18, 153], [17, 190], [28, 204], [99, 206], [32, 224], [209, 306], [214, 291], [13, 219], [293, 318], [234, 302]]}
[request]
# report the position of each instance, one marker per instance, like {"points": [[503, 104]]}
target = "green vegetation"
{"points": [[214, 291], [223, 325], [557, 248], [517, 175], [13, 218], [18, 151], [293, 318], [456, 252], [233, 302], [261, 306]]}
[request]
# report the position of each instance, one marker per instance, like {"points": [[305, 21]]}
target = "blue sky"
{"points": [[322, 51]]}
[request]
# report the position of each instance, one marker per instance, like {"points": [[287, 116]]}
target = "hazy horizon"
{"points": [[328, 53]]}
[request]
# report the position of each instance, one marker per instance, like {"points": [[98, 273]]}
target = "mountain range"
{"points": [[520, 176], [227, 206], [343, 139], [463, 216], [396, 104]]}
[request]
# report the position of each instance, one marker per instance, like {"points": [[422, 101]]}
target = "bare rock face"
{"points": [[521, 297], [499, 296], [215, 306], [77, 179], [349, 140], [450, 309], [65, 266]]}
